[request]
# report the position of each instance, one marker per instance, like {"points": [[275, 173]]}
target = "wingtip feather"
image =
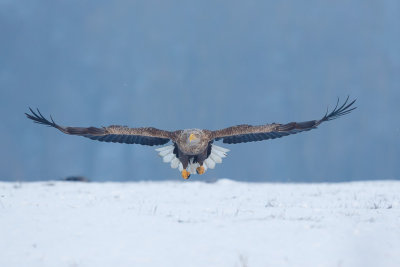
{"points": [[339, 111]]}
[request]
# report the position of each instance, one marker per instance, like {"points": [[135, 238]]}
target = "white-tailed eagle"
{"points": [[192, 150]]}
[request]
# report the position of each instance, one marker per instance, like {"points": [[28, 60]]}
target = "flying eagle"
{"points": [[192, 150]]}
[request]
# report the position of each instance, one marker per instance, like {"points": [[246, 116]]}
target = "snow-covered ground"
{"points": [[199, 224]]}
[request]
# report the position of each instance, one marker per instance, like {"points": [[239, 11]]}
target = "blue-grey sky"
{"points": [[201, 64]]}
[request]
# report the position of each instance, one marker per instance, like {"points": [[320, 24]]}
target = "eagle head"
{"points": [[193, 139]]}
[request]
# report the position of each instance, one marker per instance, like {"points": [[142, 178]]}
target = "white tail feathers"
{"points": [[224, 150], [192, 166], [169, 157], [180, 167], [209, 163], [216, 156], [167, 154], [175, 163], [165, 148], [219, 153]]}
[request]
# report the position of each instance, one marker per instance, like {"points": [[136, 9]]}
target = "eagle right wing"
{"points": [[116, 134], [247, 133]]}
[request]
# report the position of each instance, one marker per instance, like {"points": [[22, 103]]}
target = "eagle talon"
{"points": [[200, 170], [185, 174]]}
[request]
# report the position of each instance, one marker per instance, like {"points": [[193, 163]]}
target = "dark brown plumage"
{"points": [[193, 147], [116, 134], [247, 133]]}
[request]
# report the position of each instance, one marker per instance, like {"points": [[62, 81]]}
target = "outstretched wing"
{"points": [[248, 133], [116, 134]]}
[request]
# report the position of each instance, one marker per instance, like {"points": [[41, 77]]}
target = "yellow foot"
{"points": [[200, 170], [185, 174]]}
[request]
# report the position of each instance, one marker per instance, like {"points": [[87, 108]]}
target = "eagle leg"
{"points": [[185, 174], [200, 170], [185, 162], [201, 158]]}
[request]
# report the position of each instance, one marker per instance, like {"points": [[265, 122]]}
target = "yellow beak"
{"points": [[192, 137]]}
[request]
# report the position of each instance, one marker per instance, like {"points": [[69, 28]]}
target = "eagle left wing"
{"points": [[247, 133], [117, 134]]}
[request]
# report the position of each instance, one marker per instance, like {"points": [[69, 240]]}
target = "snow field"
{"points": [[187, 223]]}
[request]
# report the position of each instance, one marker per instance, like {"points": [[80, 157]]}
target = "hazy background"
{"points": [[203, 64]]}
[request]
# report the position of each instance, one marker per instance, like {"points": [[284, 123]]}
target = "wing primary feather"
{"points": [[339, 111], [125, 138], [274, 135], [247, 133], [116, 134], [129, 139]]}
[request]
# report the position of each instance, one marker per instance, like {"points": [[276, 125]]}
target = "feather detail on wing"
{"points": [[115, 134], [247, 133]]}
